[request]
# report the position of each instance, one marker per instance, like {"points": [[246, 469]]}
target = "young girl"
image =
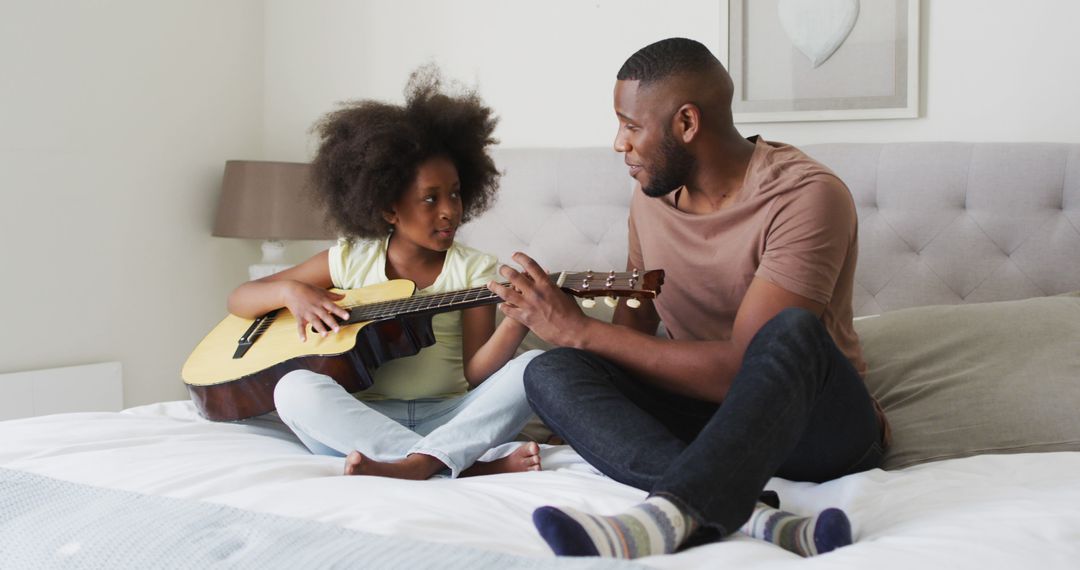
{"points": [[398, 182]]}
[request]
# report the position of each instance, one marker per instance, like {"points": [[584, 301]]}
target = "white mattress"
{"points": [[1004, 511]]}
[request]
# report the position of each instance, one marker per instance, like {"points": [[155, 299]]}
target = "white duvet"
{"points": [[993, 511]]}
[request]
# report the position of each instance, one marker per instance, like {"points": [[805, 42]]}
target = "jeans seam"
{"points": [[575, 446], [746, 457], [775, 424], [298, 427]]}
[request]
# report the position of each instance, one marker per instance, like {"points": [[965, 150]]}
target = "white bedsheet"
{"points": [[1005, 511]]}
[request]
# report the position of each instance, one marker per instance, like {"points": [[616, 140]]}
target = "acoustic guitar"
{"points": [[232, 373]]}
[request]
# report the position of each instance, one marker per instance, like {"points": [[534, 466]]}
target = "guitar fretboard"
{"points": [[434, 303], [581, 284]]}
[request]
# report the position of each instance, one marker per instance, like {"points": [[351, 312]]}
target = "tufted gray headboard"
{"points": [[939, 223]]}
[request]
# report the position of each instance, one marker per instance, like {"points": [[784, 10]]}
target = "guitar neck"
{"points": [[586, 285], [423, 305]]}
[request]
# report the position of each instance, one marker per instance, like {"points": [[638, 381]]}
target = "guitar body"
{"points": [[225, 388]]}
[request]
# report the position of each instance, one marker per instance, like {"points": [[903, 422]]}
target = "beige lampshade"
{"points": [[269, 200]]}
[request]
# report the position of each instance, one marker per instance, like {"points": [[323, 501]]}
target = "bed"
{"points": [[968, 253]]}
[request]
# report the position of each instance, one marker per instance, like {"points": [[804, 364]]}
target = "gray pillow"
{"points": [[963, 380]]}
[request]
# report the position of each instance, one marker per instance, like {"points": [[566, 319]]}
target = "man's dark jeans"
{"points": [[797, 409]]}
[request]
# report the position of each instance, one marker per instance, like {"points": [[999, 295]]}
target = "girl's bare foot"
{"points": [[416, 467], [525, 458]]}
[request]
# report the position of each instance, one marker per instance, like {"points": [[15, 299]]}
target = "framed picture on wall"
{"points": [[823, 60]]}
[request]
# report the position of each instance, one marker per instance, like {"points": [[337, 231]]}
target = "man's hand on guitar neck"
{"points": [[536, 302]]}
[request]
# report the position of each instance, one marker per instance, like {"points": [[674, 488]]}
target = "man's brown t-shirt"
{"points": [[793, 224]]}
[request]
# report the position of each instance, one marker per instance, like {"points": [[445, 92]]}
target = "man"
{"points": [[762, 372]]}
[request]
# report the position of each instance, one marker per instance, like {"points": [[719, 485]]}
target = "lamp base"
{"points": [[273, 260]]}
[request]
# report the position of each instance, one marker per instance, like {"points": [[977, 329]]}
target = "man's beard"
{"points": [[671, 171]]}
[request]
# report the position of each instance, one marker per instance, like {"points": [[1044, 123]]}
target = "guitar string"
{"points": [[414, 304], [395, 307], [451, 296]]}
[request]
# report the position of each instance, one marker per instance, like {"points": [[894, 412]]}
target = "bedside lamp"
{"points": [[271, 201]]}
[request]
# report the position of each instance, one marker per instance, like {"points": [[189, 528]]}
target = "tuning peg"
{"points": [[588, 303], [610, 301], [633, 302]]}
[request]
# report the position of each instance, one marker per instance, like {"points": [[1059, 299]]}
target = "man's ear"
{"points": [[686, 122]]}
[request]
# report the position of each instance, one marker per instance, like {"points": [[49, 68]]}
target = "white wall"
{"points": [[116, 118], [991, 69], [547, 68]]}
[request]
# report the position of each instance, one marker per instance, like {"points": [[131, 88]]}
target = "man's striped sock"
{"points": [[805, 536], [656, 526]]}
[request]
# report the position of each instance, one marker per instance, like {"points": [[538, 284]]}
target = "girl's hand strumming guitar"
{"points": [[312, 306]]}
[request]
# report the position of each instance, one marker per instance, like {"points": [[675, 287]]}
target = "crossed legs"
{"points": [[797, 409]]}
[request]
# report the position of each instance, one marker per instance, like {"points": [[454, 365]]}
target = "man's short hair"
{"points": [[665, 58]]}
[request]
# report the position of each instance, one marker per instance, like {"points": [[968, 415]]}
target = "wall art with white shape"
{"points": [[801, 60], [817, 27]]}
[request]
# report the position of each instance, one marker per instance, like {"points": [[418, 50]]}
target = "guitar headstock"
{"points": [[635, 284]]}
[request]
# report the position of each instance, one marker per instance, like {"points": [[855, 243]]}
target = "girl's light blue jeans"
{"points": [[457, 431]]}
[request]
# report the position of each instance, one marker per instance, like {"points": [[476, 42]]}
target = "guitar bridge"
{"points": [[257, 328]]}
